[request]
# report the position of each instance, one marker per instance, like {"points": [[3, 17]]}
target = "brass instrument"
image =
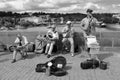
{"points": [[50, 36], [66, 34]]}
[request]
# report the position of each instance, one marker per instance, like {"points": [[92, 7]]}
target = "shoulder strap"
{"points": [[90, 22]]}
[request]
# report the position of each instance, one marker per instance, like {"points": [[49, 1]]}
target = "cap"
{"points": [[89, 10], [19, 35], [68, 22]]}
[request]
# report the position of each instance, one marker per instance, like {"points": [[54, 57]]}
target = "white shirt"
{"points": [[86, 21], [24, 40]]}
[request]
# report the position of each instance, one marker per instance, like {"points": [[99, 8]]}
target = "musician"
{"points": [[20, 46], [88, 26], [52, 34], [68, 35]]}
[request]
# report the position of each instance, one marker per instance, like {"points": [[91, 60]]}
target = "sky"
{"points": [[61, 6]]}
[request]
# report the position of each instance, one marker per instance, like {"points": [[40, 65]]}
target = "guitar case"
{"points": [[56, 68]]}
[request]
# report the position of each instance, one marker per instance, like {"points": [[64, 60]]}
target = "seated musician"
{"points": [[52, 35], [20, 46], [68, 35]]}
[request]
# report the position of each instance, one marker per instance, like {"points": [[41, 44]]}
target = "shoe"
{"points": [[13, 61], [72, 55], [48, 56], [45, 53]]}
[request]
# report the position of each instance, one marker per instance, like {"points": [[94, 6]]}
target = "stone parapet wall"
{"points": [[106, 39]]}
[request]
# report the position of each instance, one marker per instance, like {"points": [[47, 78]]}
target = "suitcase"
{"points": [[90, 64], [103, 65]]}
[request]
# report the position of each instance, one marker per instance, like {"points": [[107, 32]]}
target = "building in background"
{"points": [[42, 19]]}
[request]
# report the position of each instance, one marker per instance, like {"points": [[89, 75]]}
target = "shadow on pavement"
{"points": [[68, 67], [32, 55], [4, 60], [104, 55], [4, 53]]}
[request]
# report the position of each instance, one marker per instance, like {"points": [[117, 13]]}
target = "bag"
{"points": [[40, 68], [90, 64], [59, 61], [40, 43], [3, 47], [57, 67], [95, 63], [86, 65], [30, 47], [103, 65]]}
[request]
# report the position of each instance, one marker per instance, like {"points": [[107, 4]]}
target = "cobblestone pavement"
{"points": [[25, 69]]}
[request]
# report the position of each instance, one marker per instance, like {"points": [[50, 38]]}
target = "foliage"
{"points": [[10, 19]]}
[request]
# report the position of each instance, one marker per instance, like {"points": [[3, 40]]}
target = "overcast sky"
{"points": [[62, 6]]}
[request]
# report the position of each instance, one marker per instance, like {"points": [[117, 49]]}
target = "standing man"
{"points": [[20, 46], [88, 25], [68, 35], [52, 36]]}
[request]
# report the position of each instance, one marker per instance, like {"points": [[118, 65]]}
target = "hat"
{"points": [[89, 10], [19, 35], [68, 22]]}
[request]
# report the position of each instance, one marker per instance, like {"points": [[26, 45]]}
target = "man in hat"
{"points": [[68, 32], [52, 35], [20, 42], [88, 25]]}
